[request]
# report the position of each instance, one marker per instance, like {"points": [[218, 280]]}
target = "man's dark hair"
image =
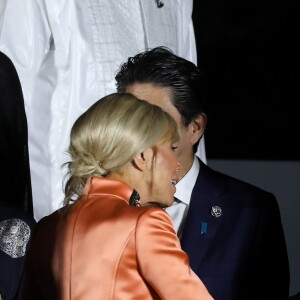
{"points": [[161, 67]]}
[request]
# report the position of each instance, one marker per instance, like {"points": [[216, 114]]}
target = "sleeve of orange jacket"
{"points": [[164, 265]]}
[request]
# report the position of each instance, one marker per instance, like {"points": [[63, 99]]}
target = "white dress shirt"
{"points": [[178, 211]]}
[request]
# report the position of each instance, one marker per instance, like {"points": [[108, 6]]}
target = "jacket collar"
{"points": [[104, 185]]}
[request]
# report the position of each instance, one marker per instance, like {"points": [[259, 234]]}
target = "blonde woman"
{"points": [[112, 239]]}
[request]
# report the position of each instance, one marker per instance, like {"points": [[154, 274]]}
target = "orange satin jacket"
{"points": [[100, 247]]}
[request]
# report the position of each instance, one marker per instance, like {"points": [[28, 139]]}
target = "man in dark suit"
{"points": [[231, 230], [16, 213], [15, 171]]}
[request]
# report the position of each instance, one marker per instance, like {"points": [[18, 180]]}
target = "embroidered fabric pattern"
{"points": [[14, 236]]}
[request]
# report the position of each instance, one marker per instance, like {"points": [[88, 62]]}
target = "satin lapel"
{"points": [[196, 241]]}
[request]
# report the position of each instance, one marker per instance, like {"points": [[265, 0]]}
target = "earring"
{"points": [[134, 199]]}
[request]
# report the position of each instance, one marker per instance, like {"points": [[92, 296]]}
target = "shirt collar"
{"points": [[186, 184]]}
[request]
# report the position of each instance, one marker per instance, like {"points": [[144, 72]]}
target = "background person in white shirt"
{"points": [[66, 53]]}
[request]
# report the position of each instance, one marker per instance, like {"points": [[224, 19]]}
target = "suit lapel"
{"points": [[196, 241]]}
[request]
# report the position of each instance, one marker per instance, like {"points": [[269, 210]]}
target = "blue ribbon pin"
{"points": [[203, 228]]}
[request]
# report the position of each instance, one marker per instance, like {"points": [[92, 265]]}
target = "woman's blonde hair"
{"points": [[109, 134]]}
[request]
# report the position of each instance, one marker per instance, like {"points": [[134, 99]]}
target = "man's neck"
{"points": [[186, 166]]}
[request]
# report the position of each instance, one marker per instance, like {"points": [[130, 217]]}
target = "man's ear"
{"points": [[198, 127], [141, 160]]}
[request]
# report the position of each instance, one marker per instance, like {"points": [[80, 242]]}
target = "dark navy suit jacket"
{"points": [[16, 227], [242, 255], [15, 171]]}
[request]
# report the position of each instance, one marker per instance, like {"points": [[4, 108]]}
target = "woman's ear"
{"points": [[198, 127], [141, 160]]}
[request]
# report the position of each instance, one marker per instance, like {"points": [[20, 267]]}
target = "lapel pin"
{"points": [[216, 211]]}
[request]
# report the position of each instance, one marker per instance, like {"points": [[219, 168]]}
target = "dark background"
{"points": [[250, 53]]}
